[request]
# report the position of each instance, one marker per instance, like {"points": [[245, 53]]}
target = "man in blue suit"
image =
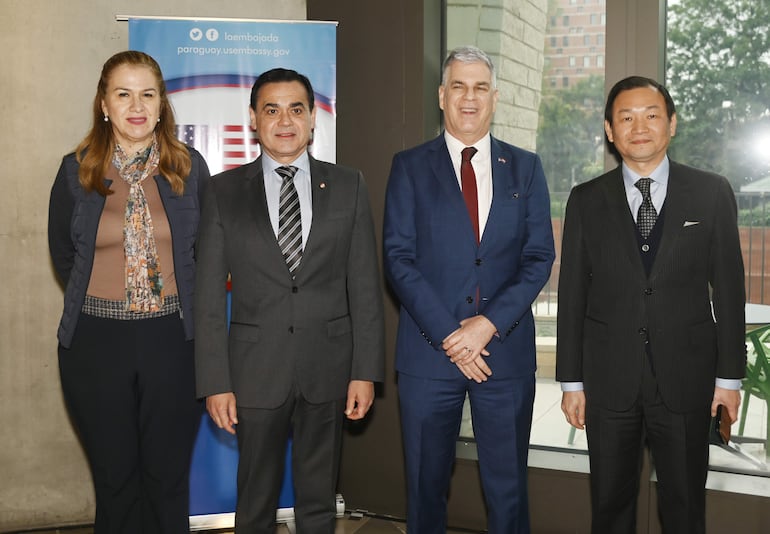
{"points": [[468, 246]]}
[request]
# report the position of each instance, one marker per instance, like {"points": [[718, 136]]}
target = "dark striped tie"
{"points": [[646, 216], [289, 219]]}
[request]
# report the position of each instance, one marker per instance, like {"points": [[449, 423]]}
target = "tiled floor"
{"points": [[346, 525]]}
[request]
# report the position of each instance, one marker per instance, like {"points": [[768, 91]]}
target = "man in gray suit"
{"points": [[651, 315], [305, 341]]}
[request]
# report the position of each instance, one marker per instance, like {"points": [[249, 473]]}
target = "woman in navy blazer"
{"points": [[122, 246]]}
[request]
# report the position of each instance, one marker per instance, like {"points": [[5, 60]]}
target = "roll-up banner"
{"points": [[209, 66]]}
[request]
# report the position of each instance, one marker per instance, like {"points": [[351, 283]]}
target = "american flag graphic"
{"points": [[224, 146]]}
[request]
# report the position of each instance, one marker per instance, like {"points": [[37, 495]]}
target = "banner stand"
{"points": [[282, 516]]}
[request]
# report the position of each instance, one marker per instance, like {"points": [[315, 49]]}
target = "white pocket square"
{"points": [[690, 223]]}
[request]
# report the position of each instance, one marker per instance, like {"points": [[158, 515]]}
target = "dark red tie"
{"points": [[470, 194]]}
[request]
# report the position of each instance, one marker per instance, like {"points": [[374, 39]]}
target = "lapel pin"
{"points": [[322, 185], [501, 160], [515, 195]]}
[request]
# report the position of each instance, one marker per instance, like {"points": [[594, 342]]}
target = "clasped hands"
{"points": [[465, 347]]}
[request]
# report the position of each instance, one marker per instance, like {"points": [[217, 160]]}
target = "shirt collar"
{"points": [[269, 165], [455, 147], [659, 175]]}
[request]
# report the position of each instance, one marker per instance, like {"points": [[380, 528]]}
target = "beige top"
{"points": [[108, 277]]}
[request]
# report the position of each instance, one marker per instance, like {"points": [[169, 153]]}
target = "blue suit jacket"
{"points": [[435, 266]]}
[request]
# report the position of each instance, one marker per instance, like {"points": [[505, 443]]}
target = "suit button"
{"points": [[645, 248], [291, 329], [294, 289], [469, 300], [642, 331], [648, 291], [478, 261]]}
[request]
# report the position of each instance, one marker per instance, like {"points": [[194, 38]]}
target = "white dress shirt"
{"points": [[482, 167]]}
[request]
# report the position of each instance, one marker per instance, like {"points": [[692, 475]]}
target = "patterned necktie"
{"points": [[470, 194], [289, 219], [646, 217]]}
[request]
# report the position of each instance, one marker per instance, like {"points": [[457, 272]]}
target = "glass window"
{"points": [[717, 68]]}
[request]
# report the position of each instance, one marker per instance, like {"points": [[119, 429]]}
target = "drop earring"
{"points": [[106, 118]]}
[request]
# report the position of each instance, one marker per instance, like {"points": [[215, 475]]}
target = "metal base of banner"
{"points": [[282, 516], [212, 521]]}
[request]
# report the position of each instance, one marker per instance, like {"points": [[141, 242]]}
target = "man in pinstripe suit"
{"points": [[649, 250]]}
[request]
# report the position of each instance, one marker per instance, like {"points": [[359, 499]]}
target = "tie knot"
{"points": [[468, 153], [643, 185], [286, 171]]}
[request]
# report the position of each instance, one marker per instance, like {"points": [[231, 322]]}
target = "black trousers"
{"points": [[129, 387], [679, 446], [262, 438]]}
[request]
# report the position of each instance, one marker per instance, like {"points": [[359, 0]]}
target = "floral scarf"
{"points": [[144, 282]]}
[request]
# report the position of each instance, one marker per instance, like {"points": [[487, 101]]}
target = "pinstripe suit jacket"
{"points": [[609, 307]]}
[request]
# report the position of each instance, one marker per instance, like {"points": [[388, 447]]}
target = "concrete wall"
{"points": [[52, 53], [512, 32]]}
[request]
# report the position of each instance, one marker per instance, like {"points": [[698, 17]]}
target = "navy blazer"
{"points": [[73, 220], [435, 266]]}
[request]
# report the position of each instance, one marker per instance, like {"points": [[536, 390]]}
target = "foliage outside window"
{"points": [[718, 71]]}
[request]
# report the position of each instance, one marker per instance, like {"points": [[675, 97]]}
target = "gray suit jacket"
{"points": [[609, 307], [316, 332]]}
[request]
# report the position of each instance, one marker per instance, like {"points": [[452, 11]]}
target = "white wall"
{"points": [[51, 55]]}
